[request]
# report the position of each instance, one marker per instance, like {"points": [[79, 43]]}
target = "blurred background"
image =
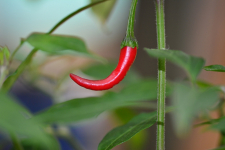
{"points": [[196, 27]]}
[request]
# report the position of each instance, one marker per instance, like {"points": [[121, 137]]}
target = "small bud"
{"points": [[4, 55]]}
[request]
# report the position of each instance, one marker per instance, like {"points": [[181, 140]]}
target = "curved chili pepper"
{"points": [[127, 56]]}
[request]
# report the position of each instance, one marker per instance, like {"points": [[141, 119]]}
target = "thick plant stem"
{"points": [[161, 75]]}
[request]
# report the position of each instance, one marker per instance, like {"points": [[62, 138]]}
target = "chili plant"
{"points": [[41, 130]]}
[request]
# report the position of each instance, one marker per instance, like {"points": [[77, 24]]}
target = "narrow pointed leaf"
{"points": [[192, 65], [85, 108], [123, 133], [59, 44], [217, 68], [137, 141]]}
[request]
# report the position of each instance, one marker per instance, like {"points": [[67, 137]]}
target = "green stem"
{"points": [[3, 74], [11, 79], [15, 51], [74, 13], [161, 75], [16, 143], [130, 39]]}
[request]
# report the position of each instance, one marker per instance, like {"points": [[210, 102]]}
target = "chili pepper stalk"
{"points": [[130, 39]]}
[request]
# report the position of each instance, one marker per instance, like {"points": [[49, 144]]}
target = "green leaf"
{"points": [[124, 114], [59, 44], [101, 71], [189, 102], [123, 133], [102, 11], [203, 84], [192, 65], [16, 119], [85, 108], [217, 68], [219, 125], [138, 140]]}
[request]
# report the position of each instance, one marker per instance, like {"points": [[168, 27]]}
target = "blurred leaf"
{"points": [[16, 119], [59, 44], [220, 148], [102, 11], [217, 68], [220, 125], [192, 65], [190, 101], [123, 133], [101, 71], [203, 84], [124, 114], [85, 108]]}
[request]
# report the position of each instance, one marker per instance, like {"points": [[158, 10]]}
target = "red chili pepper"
{"points": [[127, 57]]}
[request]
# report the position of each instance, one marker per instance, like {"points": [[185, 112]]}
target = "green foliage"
{"points": [[192, 65], [103, 11], [138, 140], [85, 108], [203, 84], [190, 101], [217, 68], [16, 119], [59, 44], [220, 125], [124, 114], [124, 133], [13, 77]]}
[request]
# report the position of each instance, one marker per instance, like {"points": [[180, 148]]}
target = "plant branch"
{"points": [[161, 75], [74, 13]]}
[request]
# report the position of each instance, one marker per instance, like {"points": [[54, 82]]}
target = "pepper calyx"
{"points": [[129, 41]]}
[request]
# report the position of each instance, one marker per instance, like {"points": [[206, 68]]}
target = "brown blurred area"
{"points": [[196, 27]]}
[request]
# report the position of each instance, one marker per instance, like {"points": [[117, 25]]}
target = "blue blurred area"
{"points": [[35, 100], [64, 144]]}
